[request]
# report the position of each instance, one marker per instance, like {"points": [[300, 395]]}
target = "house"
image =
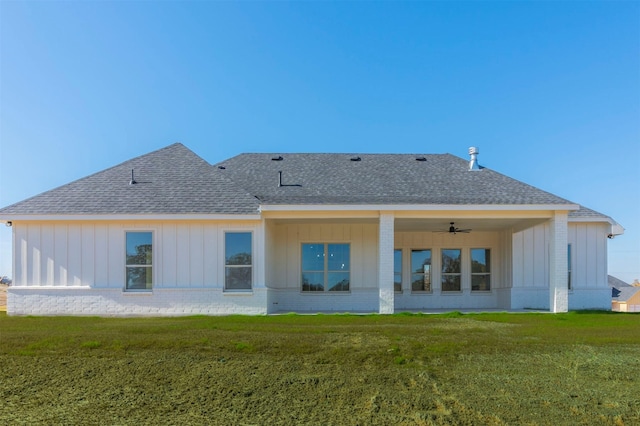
{"points": [[627, 300], [616, 284], [625, 297], [169, 234]]}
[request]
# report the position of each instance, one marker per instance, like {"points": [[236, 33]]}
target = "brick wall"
{"points": [[108, 302]]}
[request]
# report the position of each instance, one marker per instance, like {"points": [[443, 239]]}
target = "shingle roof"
{"points": [[626, 293], [378, 179], [616, 282], [172, 180]]}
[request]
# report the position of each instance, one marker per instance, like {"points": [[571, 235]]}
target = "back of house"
{"points": [[167, 233]]}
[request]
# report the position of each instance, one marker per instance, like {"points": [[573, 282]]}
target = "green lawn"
{"points": [[576, 368]]}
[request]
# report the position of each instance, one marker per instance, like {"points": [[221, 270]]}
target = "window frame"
{"points": [[150, 266], [232, 266], [430, 290], [325, 271], [488, 265], [444, 274]]}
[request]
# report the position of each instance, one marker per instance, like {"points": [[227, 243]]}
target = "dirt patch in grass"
{"points": [[332, 370]]}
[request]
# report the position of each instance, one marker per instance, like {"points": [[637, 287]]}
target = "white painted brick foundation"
{"points": [[296, 301], [111, 302]]}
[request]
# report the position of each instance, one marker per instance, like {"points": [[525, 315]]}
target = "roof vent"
{"points": [[221, 167], [133, 179], [278, 158], [473, 163], [421, 159], [356, 159]]}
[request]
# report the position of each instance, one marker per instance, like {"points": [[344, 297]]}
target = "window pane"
{"points": [[451, 283], [397, 270], [481, 282], [480, 260], [139, 248], [237, 278], [139, 278], [338, 257], [313, 281], [237, 248], [313, 257], [421, 282], [451, 261], [420, 258], [338, 281], [397, 282]]}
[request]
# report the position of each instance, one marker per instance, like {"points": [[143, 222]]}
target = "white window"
{"points": [[480, 269], [325, 267], [139, 260], [421, 270], [451, 270], [238, 270]]}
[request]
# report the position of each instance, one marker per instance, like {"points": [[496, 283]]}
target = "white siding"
{"points": [[589, 267], [285, 267], [436, 299], [87, 259], [100, 258], [90, 257], [588, 252], [530, 254]]}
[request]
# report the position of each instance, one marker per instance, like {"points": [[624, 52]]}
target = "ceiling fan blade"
{"points": [[453, 230]]}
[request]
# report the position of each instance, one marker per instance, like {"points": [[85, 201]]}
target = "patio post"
{"points": [[385, 262], [558, 269]]}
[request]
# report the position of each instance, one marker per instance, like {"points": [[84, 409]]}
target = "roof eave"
{"points": [[416, 207], [121, 217]]}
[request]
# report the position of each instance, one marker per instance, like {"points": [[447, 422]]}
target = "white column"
{"points": [[385, 263], [558, 291]]}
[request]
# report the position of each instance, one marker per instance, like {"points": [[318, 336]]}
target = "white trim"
{"points": [[490, 273], [13, 287], [414, 207], [587, 219], [325, 271], [154, 255], [126, 217], [224, 261]]}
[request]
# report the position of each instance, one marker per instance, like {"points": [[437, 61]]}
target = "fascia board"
{"points": [[127, 217], [416, 207]]}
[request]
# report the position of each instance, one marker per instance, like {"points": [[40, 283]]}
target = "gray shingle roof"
{"points": [[378, 179], [626, 293], [616, 282], [172, 180]]}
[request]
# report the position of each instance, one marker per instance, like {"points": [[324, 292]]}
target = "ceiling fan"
{"points": [[453, 230]]}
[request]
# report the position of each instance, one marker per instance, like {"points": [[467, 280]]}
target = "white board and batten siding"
{"points": [[83, 264], [79, 268], [285, 267], [285, 274], [437, 299], [589, 287]]}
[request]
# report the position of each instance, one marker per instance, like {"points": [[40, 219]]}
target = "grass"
{"points": [[533, 369]]}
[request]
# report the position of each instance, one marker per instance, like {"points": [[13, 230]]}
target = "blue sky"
{"points": [[549, 91]]}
